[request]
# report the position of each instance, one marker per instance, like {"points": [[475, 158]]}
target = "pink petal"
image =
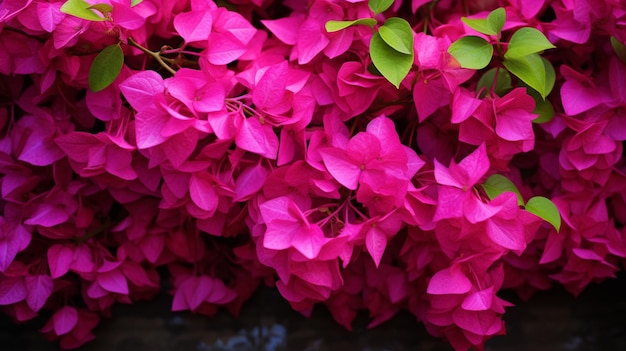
{"points": [[64, 320], [257, 138], [12, 290], [270, 89], [376, 242], [60, 258], [479, 301], [311, 41], [140, 88], [341, 167], [202, 192], [39, 288], [249, 182], [194, 25], [113, 281], [449, 281], [285, 29]]}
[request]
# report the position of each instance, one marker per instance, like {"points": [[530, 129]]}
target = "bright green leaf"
{"points": [[379, 6], [106, 67], [498, 184], [527, 41], [550, 76], [472, 52], [398, 34], [502, 82], [481, 25], [393, 65], [546, 210], [334, 26], [135, 2], [620, 48], [532, 71], [492, 25], [80, 9], [496, 19], [545, 110]]}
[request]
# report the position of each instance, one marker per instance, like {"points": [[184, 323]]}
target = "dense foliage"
{"points": [[379, 155]]}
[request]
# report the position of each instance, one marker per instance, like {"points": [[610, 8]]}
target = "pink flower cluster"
{"points": [[276, 155]]}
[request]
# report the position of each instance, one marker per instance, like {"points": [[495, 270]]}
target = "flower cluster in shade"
{"points": [[276, 156]]}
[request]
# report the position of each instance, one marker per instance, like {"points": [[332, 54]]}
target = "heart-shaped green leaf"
{"points": [[502, 82], [527, 41], [334, 26], [106, 67], [397, 33], [393, 65], [492, 25], [498, 184], [379, 6], [81, 9], [545, 209], [496, 19], [472, 52], [533, 71]]}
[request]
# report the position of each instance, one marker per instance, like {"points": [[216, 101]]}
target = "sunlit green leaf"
{"points": [[481, 25], [379, 6], [106, 67], [135, 2], [81, 9], [492, 25], [472, 52], [393, 65], [527, 41], [496, 19], [397, 33], [545, 209], [502, 82], [533, 71], [334, 26], [498, 184]]}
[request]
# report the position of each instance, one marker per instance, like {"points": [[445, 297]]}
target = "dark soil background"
{"points": [[550, 321]]}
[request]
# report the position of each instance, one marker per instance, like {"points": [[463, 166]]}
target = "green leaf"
{"points": [[533, 71], [498, 184], [393, 65], [81, 9], [527, 41], [379, 6], [135, 2], [502, 82], [334, 26], [398, 34], [106, 67], [481, 25], [545, 209], [620, 48], [496, 19], [550, 76], [472, 52], [545, 110], [492, 25]]}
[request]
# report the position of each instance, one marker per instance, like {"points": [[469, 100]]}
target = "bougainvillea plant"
{"points": [[382, 155]]}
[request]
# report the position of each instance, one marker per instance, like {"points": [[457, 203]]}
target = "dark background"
{"points": [[550, 321]]}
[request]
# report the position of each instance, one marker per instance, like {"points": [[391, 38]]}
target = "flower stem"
{"points": [[155, 55]]}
